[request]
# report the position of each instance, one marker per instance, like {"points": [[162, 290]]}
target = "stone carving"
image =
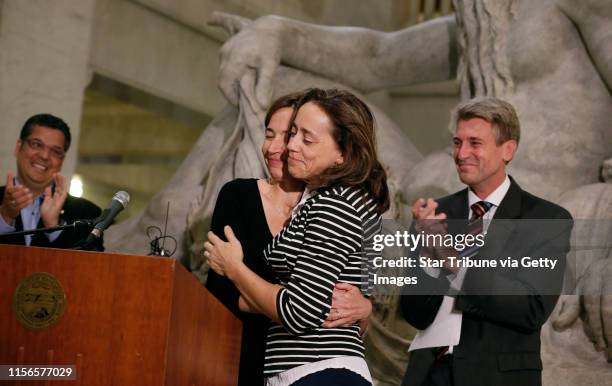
{"points": [[548, 58], [566, 352], [606, 171]]}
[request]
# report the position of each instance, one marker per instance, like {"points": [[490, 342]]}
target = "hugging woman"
{"points": [[328, 240]]}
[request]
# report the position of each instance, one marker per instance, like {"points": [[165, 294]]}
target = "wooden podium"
{"points": [[127, 320]]}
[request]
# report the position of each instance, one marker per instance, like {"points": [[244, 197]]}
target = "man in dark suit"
{"points": [[37, 197], [481, 326]]}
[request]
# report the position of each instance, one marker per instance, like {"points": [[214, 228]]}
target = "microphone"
{"points": [[117, 204]]}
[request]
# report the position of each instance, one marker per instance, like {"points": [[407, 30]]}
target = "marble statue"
{"points": [[549, 58]]}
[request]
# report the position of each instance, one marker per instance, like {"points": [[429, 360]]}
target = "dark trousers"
{"points": [[332, 377]]}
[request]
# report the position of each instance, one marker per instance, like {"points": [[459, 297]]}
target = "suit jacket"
{"points": [[500, 334], [74, 209]]}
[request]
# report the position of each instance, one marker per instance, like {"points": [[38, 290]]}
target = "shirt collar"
{"points": [[305, 196], [495, 197]]}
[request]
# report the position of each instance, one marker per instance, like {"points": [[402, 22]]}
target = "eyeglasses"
{"points": [[38, 145]]}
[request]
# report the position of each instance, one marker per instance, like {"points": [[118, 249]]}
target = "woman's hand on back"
{"points": [[349, 306], [223, 257]]}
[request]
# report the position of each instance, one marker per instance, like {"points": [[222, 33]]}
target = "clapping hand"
{"points": [[427, 221], [16, 197], [54, 200]]}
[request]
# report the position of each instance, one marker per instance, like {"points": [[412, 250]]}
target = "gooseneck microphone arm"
{"points": [[47, 230]]}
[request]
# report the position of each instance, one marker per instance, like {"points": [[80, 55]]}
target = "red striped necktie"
{"points": [[475, 225], [479, 209]]}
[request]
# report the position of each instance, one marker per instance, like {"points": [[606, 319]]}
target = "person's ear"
{"points": [[18, 146], [508, 149], [339, 161]]}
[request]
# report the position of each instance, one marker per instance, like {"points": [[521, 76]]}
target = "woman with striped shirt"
{"points": [[328, 240], [268, 203]]}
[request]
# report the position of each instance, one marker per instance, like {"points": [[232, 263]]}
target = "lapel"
{"points": [[18, 223], [499, 232], [19, 228], [510, 207], [458, 206], [39, 239], [456, 209]]}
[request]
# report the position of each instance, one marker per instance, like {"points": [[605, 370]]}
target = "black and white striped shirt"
{"points": [[328, 241]]}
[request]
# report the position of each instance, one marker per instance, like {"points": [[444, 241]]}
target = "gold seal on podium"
{"points": [[39, 301]]}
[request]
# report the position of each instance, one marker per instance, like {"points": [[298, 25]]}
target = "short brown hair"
{"points": [[289, 100], [500, 114], [354, 133]]}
